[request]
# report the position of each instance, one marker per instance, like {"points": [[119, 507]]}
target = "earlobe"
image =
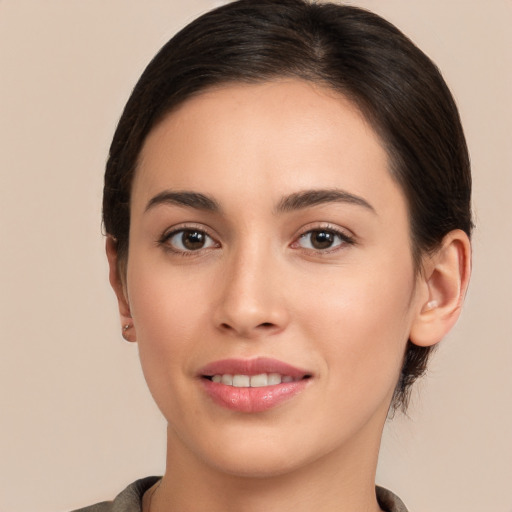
{"points": [[119, 286], [445, 281]]}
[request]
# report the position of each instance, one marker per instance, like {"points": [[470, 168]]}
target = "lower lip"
{"points": [[253, 399]]}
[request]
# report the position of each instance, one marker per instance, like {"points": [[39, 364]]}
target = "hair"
{"points": [[352, 51]]}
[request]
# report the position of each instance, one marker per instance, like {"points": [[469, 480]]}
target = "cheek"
{"points": [[360, 323], [165, 304], [168, 312]]}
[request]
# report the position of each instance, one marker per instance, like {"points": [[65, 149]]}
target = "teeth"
{"points": [[227, 379], [258, 381], [241, 381], [274, 378], [252, 381]]}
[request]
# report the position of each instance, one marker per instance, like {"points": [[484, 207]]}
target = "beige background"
{"points": [[76, 421]]}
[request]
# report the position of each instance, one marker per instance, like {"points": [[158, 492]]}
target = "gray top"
{"points": [[130, 500]]}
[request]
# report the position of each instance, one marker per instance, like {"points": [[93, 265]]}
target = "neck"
{"points": [[341, 481]]}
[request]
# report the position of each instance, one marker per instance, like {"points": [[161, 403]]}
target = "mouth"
{"points": [[253, 381], [253, 385]]}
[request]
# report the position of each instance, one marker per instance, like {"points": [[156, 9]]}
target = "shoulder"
{"points": [[389, 501], [129, 500]]}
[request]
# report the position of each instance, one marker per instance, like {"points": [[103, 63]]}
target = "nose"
{"points": [[252, 295]]}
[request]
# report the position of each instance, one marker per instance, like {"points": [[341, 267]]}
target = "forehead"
{"points": [[266, 137]]}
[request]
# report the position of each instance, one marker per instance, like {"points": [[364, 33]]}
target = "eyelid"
{"points": [[192, 226], [347, 237], [327, 226], [184, 226]]}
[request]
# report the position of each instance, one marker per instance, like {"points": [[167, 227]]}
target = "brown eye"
{"points": [[321, 239], [193, 240], [186, 240]]}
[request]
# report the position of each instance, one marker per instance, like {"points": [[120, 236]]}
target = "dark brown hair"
{"points": [[352, 51]]}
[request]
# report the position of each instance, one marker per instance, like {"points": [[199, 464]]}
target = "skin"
{"points": [[259, 288]]}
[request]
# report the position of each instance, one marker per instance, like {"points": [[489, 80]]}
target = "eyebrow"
{"points": [[296, 201], [307, 198], [194, 200]]}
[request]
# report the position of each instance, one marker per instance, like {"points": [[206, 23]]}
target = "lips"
{"points": [[252, 385]]}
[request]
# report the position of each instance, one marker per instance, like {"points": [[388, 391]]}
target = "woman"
{"points": [[287, 208]]}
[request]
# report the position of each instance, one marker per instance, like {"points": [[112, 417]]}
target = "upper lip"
{"points": [[252, 367]]}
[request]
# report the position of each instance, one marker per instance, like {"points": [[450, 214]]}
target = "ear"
{"points": [[443, 285], [118, 283]]}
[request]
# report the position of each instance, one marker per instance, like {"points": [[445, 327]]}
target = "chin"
{"points": [[262, 452], [256, 464]]}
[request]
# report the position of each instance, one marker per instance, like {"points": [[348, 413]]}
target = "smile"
{"points": [[252, 381], [253, 385]]}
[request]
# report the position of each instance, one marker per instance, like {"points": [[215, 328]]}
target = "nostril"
{"points": [[263, 328]]}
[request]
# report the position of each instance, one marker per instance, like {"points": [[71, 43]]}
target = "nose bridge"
{"points": [[251, 302]]}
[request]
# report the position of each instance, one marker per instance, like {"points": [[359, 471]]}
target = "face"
{"points": [[269, 242]]}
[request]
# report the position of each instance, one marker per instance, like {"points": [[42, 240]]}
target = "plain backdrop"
{"points": [[76, 421]]}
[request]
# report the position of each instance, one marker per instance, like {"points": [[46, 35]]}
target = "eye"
{"points": [[322, 239], [189, 240]]}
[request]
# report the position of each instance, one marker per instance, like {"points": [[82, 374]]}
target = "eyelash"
{"points": [[165, 239], [344, 239]]}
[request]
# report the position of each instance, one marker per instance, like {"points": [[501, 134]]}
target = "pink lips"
{"points": [[252, 399]]}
